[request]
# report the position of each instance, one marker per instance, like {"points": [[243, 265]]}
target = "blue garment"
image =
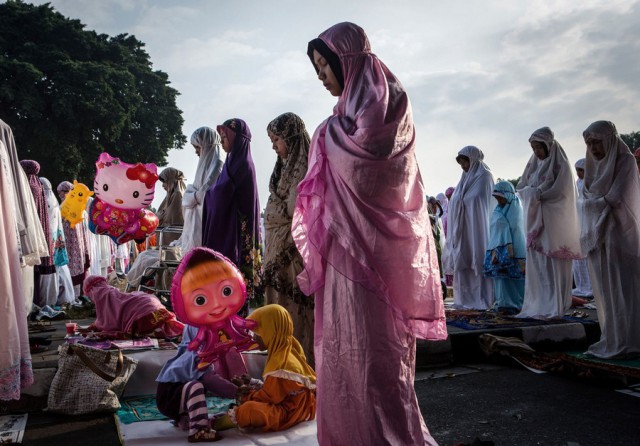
{"points": [[506, 252], [183, 367], [60, 256]]}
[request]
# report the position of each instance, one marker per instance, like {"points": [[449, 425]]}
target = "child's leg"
{"points": [[217, 385], [254, 414], [234, 363], [193, 398]]}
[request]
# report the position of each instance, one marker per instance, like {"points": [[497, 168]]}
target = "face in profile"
{"points": [[226, 144], [580, 173], [325, 74], [198, 149], [464, 163], [539, 150], [596, 148], [501, 200], [279, 145]]}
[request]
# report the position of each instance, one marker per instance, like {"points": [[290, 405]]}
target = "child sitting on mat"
{"points": [[181, 390], [288, 394]]}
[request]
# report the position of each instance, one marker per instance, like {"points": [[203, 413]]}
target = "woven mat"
{"points": [[144, 408], [577, 365], [482, 320]]}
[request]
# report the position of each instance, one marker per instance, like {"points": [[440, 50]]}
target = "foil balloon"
{"points": [[207, 291], [75, 203], [122, 194]]}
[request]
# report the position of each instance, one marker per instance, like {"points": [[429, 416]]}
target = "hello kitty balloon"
{"points": [[122, 194]]}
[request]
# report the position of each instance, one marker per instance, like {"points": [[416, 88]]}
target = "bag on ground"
{"points": [[89, 380]]}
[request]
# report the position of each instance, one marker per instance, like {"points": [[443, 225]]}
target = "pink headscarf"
{"points": [[361, 205]]}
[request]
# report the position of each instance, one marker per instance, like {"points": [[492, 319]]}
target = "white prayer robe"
{"points": [[610, 205]]}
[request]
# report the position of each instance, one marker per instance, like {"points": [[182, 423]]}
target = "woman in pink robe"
{"points": [[362, 227]]}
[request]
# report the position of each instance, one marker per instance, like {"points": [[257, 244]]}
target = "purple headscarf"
{"points": [[231, 212], [32, 168]]}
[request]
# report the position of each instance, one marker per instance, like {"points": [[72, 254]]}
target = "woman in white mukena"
{"points": [[469, 214], [610, 207], [549, 195]]}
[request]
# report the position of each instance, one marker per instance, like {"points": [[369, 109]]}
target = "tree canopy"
{"points": [[69, 94], [632, 140]]}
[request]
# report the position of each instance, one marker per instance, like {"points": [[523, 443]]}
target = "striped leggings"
{"points": [[194, 402]]}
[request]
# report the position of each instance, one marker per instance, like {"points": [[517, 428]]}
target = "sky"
{"points": [[478, 72]]}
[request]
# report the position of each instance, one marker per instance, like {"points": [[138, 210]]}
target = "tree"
{"points": [[632, 140], [69, 94]]}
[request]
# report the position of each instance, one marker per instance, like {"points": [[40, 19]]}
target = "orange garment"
{"points": [[142, 246], [280, 404]]}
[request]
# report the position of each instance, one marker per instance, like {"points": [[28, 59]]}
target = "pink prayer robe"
{"points": [[362, 227]]}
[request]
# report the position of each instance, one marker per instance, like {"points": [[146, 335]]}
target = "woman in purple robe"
{"points": [[231, 213]]}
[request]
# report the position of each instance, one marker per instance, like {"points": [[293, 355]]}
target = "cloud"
{"points": [[486, 73]]}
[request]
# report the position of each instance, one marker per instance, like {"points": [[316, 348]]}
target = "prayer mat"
{"points": [[144, 408], [482, 320], [631, 363], [610, 373]]}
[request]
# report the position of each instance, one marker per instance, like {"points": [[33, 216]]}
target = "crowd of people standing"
{"points": [[552, 238], [346, 204]]}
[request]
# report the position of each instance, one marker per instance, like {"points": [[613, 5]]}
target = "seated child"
{"points": [[288, 394], [181, 390]]}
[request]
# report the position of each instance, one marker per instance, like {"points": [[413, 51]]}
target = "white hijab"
{"points": [[610, 184], [549, 197], [444, 202], [468, 216], [207, 172], [579, 182]]}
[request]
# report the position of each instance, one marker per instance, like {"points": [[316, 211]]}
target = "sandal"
{"points": [[203, 435]]}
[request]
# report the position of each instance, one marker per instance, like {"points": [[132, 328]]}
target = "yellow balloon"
{"points": [[75, 202]]}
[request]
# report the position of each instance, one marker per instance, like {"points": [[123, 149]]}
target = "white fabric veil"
{"points": [[609, 183], [549, 195], [207, 172], [468, 216]]}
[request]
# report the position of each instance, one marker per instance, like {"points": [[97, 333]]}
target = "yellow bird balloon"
{"points": [[75, 202]]}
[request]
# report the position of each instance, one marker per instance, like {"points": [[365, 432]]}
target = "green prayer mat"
{"points": [[633, 363], [144, 408]]}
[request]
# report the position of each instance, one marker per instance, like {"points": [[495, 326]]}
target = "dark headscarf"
{"points": [[332, 58], [231, 212], [32, 168]]}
